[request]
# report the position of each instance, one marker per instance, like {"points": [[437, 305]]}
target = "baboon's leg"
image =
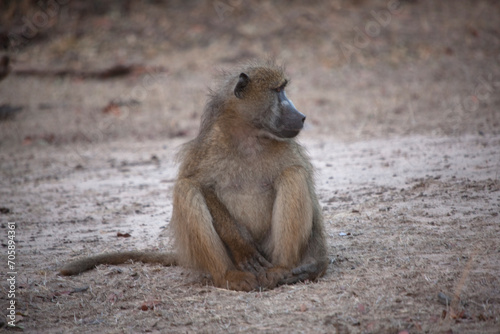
{"points": [[198, 242], [235, 236], [292, 224], [316, 249], [292, 218], [315, 261]]}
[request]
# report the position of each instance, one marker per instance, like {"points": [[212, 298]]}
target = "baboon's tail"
{"points": [[79, 266]]}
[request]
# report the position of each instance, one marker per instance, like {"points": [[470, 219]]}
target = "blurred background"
{"points": [[91, 71]]}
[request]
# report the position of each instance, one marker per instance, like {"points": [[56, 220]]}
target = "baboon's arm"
{"points": [[298, 227], [246, 255], [292, 219], [236, 237], [198, 241]]}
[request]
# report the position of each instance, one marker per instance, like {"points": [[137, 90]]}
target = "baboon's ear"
{"points": [[240, 86]]}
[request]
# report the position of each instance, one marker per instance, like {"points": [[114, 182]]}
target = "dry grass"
{"points": [[396, 242]]}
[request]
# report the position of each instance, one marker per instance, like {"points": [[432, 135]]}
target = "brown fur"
{"points": [[79, 266], [244, 207]]}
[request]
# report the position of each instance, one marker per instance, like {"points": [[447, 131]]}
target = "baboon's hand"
{"points": [[308, 268], [253, 262], [308, 271], [272, 277], [276, 276], [239, 281]]}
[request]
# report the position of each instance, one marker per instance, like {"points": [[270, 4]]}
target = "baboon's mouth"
{"points": [[289, 133]]}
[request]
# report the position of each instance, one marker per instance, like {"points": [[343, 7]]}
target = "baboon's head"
{"points": [[261, 99]]}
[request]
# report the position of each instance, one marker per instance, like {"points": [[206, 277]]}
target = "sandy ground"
{"points": [[406, 219], [405, 137]]}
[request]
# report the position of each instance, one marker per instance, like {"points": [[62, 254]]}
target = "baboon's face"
{"points": [[264, 103]]}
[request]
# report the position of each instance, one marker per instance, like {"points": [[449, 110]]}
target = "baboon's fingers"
{"points": [[292, 279], [308, 268], [248, 267], [239, 281], [251, 266], [272, 277], [308, 271], [256, 265], [260, 264], [263, 262]]}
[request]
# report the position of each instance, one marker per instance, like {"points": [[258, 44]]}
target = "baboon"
{"points": [[244, 203]]}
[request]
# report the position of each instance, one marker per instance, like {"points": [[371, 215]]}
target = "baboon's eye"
{"points": [[280, 88]]}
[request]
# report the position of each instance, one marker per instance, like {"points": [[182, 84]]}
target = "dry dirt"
{"points": [[404, 134]]}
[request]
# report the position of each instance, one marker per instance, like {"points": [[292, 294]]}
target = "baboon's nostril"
{"points": [[303, 119]]}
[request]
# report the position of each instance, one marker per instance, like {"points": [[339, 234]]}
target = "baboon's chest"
{"points": [[245, 185], [250, 204]]}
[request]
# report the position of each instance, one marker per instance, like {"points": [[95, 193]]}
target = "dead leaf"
{"points": [[150, 304], [27, 141], [113, 109], [362, 309]]}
